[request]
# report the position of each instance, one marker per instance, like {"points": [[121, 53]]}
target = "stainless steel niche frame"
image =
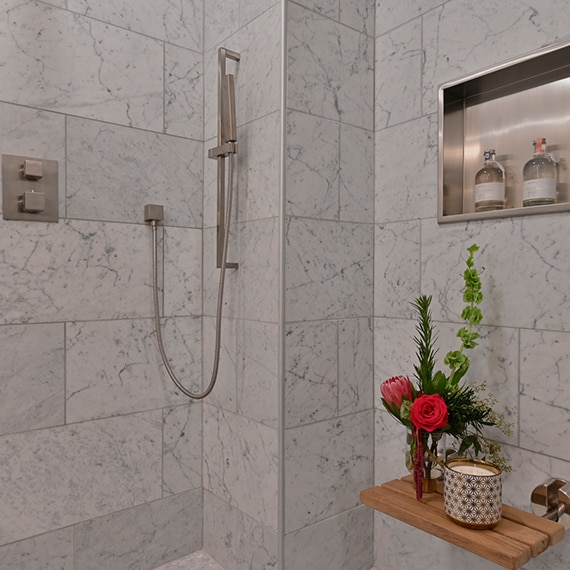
{"points": [[227, 142], [504, 107]]}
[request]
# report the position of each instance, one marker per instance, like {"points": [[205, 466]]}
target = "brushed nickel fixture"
{"points": [[154, 213], [551, 500]]}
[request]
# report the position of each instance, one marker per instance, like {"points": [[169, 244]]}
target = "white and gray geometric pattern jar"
{"points": [[472, 493]]}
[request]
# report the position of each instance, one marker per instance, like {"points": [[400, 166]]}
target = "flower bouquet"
{"points": [[441, 403]]}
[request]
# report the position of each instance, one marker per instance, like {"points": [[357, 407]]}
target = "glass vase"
{"points": [[433, 459]]}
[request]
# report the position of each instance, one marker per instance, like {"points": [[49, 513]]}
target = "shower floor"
{"points": [[199, 560]]}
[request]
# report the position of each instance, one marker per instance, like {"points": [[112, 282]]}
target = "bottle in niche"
{"points": [[539, 177], [490, 184]]}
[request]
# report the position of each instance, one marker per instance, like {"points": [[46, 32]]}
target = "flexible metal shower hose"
{"points": [[219, 305]]}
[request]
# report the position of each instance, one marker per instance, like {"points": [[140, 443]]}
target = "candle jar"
{"points": [[472, 493]]}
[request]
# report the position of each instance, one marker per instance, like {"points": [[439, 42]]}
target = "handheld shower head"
{"points": [[228, 110]]}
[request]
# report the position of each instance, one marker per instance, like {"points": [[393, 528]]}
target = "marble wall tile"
{"points": [[328, 269], [143, 537], [394, 351], [328, 463], [235, 540], [114, 171], [257, 371], [258, 273], [95, 70], [240, 464], [251, 9], [257, 168], [358, 15], [356, 194], [313, 148], [398, 94], [393, 13], [406, 171], [221, 21], [355, 365], [74, 270], [330, 69], [55, 477], [224, 393], [340, 542], [114, 367], [396, 268], [311, 372], [461, 37], [32, 389], [51, 551], [184, 92], [525, 285], [545, 392], [182, 448], [178, 23], [182, 271], [389, 448], [36, 134]]}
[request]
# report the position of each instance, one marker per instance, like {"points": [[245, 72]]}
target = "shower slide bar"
{"points": [[227, 143]]}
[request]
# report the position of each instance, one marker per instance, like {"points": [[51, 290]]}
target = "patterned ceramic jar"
{"points": [[472, 493]]}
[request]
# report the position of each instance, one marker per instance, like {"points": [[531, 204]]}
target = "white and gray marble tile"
{"points": [[393, 13], [251, 9], [114, 171], [406, 171], [340, 542], [396, 268], [311, 372], [355, 365], [68, 63], [221, 20], [398, 96], [32, 377], [34, 134], [313, 156], [50, 551], [536, 298], [328, 269], [184, 93], [114, 367], [394, 351], [182, 448], [224, 393], [210, 199], [179, 23], [327, 464], [545, 392], [56, 477], [358, 15], [199, 560], [240, 463], [257, 168], [462, 37], [182, 272], [389, 448], [356, 192], [235, 540], [74, 271], [143, 537], [257, 371], [330, 68]]}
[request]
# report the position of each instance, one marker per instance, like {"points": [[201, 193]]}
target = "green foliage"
{"points": [[468, 413]]}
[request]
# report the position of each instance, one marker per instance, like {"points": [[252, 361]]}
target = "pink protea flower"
{"points": [[394, 390]]}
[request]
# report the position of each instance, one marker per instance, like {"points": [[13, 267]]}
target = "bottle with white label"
{"points": [[539, 176], [490, 184]]}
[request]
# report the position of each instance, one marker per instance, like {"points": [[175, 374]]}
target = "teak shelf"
{"points": [[517, 538]]}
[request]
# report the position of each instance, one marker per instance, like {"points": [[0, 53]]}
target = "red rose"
{"points": [[429, 412]]}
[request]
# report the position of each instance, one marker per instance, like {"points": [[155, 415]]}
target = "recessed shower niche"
{"points": [[504, 108]]}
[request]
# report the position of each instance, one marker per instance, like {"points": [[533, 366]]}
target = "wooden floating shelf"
{"points": [[517, 538]]}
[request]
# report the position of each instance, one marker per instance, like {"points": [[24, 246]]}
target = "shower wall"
{"points": [[100, 458], [328, 245], [241, 416], [523, 354]]}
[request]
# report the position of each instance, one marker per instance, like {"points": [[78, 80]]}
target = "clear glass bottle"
{"points": [[539, 177], [490, 184]]}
